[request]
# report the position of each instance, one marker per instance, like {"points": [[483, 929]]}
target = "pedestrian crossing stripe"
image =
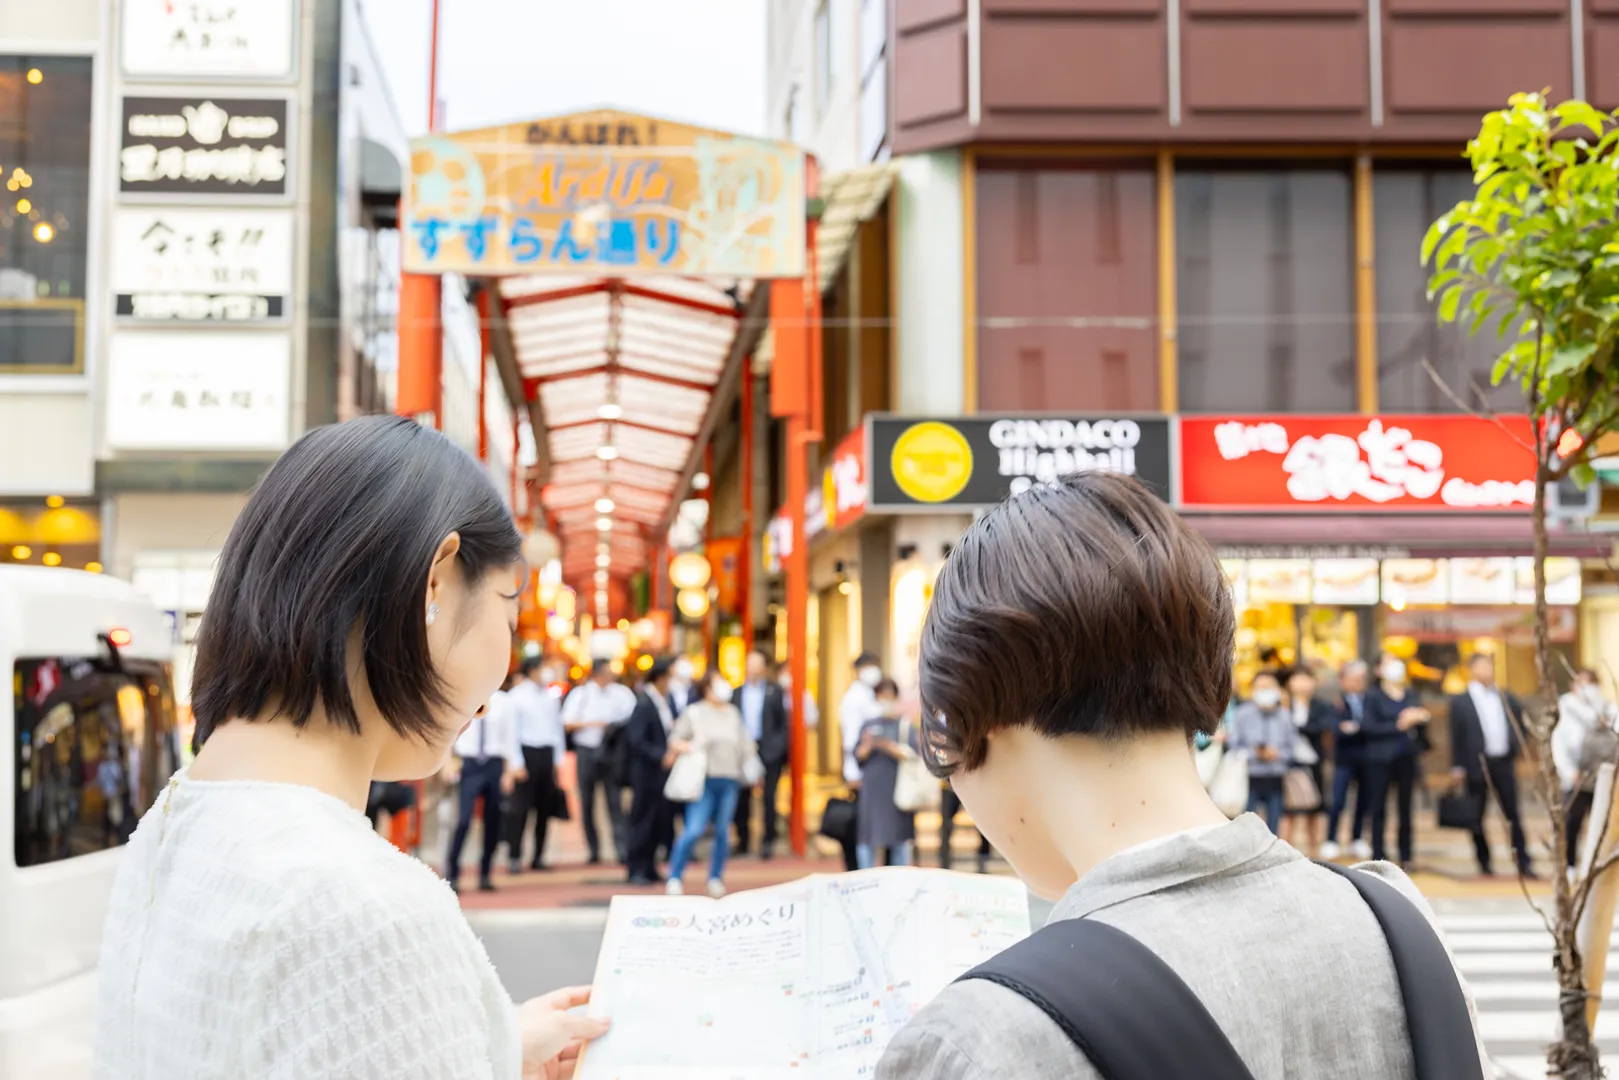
{"points": [[1506, 958]]}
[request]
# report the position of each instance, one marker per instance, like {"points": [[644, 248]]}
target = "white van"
{"points": [[88, 738]]}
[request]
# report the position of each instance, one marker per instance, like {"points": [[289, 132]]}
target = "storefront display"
{"points": [[51, 532]]}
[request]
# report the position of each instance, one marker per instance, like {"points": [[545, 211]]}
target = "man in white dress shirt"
{"points": [[589, 713], [859, 704], [491, 763], [539, 729], [1484, 747]]}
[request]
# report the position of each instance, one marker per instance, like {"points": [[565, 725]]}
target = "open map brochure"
{"points": [[803, 981]]}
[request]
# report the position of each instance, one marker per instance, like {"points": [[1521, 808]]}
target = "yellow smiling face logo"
{"points": [[932, 462]]}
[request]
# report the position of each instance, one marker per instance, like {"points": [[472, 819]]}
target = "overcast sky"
{"points": [[698, 61]]}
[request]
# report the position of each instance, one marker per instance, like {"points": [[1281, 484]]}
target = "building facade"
{"points": [[198, 263], [1108, 214]]}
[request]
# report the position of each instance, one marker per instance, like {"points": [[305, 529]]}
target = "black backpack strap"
{"points": [[1443, 1042], [1123, 1007]]}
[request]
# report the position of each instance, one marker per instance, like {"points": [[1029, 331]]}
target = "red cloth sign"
{"points": [[1362, 463]]}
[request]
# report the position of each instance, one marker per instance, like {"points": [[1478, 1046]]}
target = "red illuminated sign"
{"points": [[1394, 463]]}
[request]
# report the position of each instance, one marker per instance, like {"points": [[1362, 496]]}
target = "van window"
{"points": [[95, 742]]}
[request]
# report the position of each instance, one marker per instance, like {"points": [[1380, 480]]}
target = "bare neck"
{"points": [[318, 755], [1099, 800]]}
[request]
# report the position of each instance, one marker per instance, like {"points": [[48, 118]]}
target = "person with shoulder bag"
{"points": [[883, 749], [1583, 741], [1079, 637], [710, 731]]}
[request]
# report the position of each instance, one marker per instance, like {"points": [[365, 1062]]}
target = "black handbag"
{"points": [[838, 820], [558, 810], [1460, 811]]}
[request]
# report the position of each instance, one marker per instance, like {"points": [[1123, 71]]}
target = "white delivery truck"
{"points": [[88, 738]]}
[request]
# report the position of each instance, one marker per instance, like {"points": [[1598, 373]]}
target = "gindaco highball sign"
{"points": [[977, 462], [604, 192]]}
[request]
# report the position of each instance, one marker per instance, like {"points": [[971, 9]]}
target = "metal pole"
{"points": [[432, 73], [744, 570]]}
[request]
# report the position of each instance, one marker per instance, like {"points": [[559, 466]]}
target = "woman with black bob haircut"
{"points": [[361, 618], [1079, 639]]}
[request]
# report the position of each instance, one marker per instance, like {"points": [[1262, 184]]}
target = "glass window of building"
{"points": [[95, 741], [1265, 289], [1067, 287], [44, 206], [873, 79], [823, 57], [1405, 201]]}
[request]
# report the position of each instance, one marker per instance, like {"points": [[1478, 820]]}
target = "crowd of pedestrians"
{"points": [[626, 742], [1308, 761]]}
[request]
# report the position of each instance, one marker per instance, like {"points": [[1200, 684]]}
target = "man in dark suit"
{"points": [[646, 735], [1349, 763], [764, 714], [1484, 746]]}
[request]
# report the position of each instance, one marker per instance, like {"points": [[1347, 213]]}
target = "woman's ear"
{"points": [[438, 574]]}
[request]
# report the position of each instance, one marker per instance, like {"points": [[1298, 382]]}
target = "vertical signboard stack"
{"points": [[204, 238]]}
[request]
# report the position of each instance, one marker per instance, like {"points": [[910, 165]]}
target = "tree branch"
{"points": [[1482, 414]]}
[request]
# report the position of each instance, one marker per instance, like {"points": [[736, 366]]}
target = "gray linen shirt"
{"points": [[1286, 956]]}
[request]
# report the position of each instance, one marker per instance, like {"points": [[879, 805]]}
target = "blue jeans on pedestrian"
{"points": [[1265, 792], [716, 807], [898, 855]]}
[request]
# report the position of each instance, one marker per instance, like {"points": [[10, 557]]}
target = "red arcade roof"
{"points": [[623, 372]]}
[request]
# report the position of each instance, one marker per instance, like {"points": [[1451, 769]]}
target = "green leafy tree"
{"points": [[1536, 251]]}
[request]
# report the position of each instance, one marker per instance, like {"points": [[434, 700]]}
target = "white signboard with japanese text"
{"points": [[223, 265], [198, 390], [218, 40]]}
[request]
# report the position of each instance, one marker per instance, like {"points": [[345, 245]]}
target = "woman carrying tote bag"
{"points": [[882, 748], [710, 732]]}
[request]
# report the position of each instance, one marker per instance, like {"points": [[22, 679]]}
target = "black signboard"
{"points": [[204, 146], [974, 462]]}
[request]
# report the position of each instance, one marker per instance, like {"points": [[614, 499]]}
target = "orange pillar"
{"points": [[420, 389], [485, 347]]}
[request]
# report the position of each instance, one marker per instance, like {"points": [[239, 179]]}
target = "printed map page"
{"points": [[801, 981]]}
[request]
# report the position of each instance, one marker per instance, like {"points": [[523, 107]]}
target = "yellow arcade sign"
{"points": [[932, 462]]}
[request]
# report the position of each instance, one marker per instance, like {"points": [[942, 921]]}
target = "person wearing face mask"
{"points": [[539, 728], [680, 676], [885, 741], [714, 727], [1312, 719], [1394, 731], [1263, 729], [1583, 740], [859, 705]]}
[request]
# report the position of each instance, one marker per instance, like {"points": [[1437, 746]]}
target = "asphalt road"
{"points": [[537, 951]]}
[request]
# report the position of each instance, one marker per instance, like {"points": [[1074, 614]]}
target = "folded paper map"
{"points": [[802, 981]]}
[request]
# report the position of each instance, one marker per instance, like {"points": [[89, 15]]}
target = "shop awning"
{"points": [[624, 372], [848, 199], [1429, 535]]}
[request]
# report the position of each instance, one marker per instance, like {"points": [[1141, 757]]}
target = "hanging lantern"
{"points": [[689, 570], [541, 546], [693, 603]]}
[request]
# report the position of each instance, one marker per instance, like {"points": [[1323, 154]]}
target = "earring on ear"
{"points": [[432, 614]]}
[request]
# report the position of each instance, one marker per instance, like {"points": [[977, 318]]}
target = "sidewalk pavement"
{"points": [[1444, 868]]}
